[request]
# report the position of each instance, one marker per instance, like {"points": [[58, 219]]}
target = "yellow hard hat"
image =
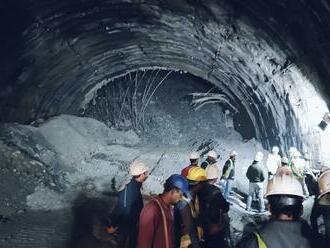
{"points": [[196, 174], [324, 187]]}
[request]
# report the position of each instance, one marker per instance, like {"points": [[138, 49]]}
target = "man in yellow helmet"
{"points": [[188, 224], [285, 229]]}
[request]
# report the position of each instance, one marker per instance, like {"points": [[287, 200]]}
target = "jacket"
{"points": [[281, 234], [126, 214], [187, 222], [254, 173], [207, 162], [213, 208], [228, 171], [151, 225]]}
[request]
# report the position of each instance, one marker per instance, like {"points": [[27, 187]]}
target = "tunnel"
{"points": [[88, 83]]}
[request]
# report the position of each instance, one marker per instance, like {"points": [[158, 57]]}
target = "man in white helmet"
{"points": [[256, 178], [193, 158], [285, 228], [126, 214], [228, 174], [211, 159], [298, 167], [273, 162]]}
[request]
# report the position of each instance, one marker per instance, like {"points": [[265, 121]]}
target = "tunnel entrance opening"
{"points": [[168, 106]]}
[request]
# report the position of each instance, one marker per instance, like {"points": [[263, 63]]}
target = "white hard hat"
{"points": [[232, 153], [275, 149], [212, 171], [284, 160], [292, 151], [212, 154], [296, 154], [137, 168], [284, 183], [194, 155], [259, 156]]}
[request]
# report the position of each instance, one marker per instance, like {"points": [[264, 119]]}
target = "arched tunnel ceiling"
{"points": [[59, 52]]}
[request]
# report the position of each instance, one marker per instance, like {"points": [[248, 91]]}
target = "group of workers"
{"points": [[191, 212]]}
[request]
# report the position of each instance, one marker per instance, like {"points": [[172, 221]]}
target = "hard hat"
{"points": [[324, 187], [284, 183], [292, 150], [194, 155], [296, 154], [212, 171], [284, 160], [179, 182], [196, 174], [259, 156], [212, 154], [275, 149], [232, 153], [137, 168]]}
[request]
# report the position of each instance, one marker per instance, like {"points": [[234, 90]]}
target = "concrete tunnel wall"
{"points": [[60, 52]]}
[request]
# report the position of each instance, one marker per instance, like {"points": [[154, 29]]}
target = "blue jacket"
{"points": [[130, 203]]}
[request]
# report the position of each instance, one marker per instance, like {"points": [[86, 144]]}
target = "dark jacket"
{"points": [[206, 163], [151, 225], [213, 207], [229, 165], [185, 224], [281, 234], [254, 173], [127, 211]]}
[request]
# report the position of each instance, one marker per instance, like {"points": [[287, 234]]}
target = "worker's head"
{"points": [[232, 155], [259, 156], [139, 171], [324, 187], [194, 157], [212, 155], [196, 177], [212, 173], [284, 161], [292, 150], [175, 187], [275, 150], [285, 196]]}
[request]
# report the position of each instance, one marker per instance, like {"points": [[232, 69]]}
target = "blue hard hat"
{"points": [[179, 182]]}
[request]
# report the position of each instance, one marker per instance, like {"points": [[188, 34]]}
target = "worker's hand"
{"points": [[111, 229]]}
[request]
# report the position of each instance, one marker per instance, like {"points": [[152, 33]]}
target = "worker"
{"points": [[211, 159], [298, 167], [156, 219], [256, 178], [188, 223], [194, 158], [214, 209], [321, 205], [284, 161], [285, 228], [124, 219], [228, 174], [273, 162]]}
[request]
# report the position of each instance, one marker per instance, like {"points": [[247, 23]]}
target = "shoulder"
{"points": [[248, 242]]}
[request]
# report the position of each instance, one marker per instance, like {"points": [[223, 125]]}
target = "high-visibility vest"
{"points": [[261, 243]]}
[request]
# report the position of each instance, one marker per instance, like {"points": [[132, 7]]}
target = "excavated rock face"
{"points": [[257, 53], [267, 60]]}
